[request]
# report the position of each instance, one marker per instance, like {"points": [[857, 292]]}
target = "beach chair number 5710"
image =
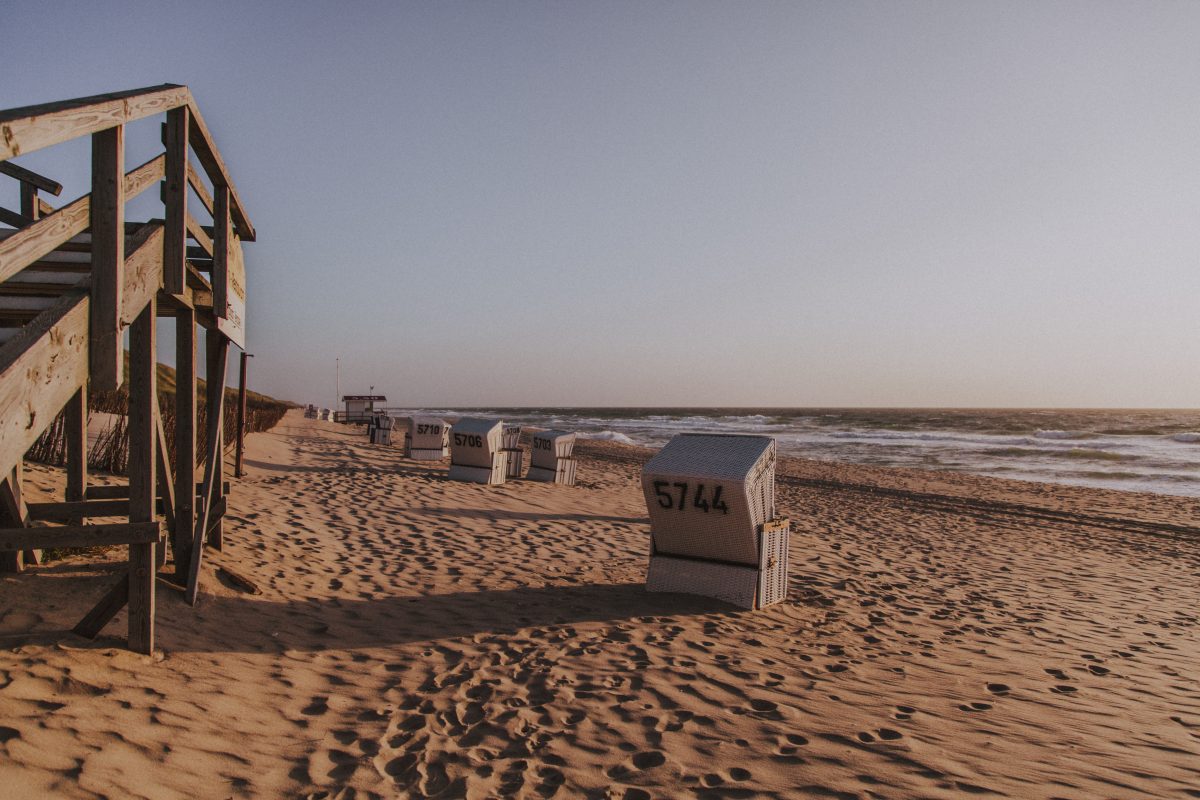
{"points": [[667, 498]]}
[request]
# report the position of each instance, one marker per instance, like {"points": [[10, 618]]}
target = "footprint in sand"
{"points": [[904, 712], [1063, 689], [973, 707], [999, 689]]}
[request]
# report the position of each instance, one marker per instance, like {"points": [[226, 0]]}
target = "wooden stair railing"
{"points": [[72, 281]]}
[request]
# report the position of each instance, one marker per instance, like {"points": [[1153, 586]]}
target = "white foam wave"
{"points": [[611, 436], [1062, 435], [1186, 438]]}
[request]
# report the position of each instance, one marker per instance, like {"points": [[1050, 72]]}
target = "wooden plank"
{"points": [[175, 198], [143, 489], [141, 178], [108, 258], [121, 492], [220, 251], [210, 159], [41, 182], [65, 512], [75, 420], [30, 128], [166, 480], [40, 369], [116, 533], [217, 357], [29, 203], [215, 377], [15, 514], [233, 322], [13, 218], [102, 613], [197, 184], [142, 273], [31, 243], [185, 441], [198, 234]]}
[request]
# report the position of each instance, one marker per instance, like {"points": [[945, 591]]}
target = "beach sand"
{"points": [[945, 635]]}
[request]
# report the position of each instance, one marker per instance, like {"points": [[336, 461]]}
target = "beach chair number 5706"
{"points": [[668, 499], [468, 440]]}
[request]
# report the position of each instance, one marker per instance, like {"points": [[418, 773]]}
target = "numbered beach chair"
{"points": [[511, 441], [476, 454], [550, 458], [427, 438], [711, 500]]}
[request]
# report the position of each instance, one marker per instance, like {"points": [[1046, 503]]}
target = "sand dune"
{"points": [[417, 637]]}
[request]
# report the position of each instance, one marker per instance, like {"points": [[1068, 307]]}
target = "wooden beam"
{"points": [[102, 613], [166, 480], [29, 201], [210, 159], [199, 188], [141, 178], [142, 273], [14, 512], [221, 241], [13, 218], [40, 369], [108, 258], [30, 128], [30, 177], [143, 455], [40, 238], [116, 533], [121, 492], [217, 356], [175, 199], [185, 441], [198, 234], [218, 347], [75, 419]]}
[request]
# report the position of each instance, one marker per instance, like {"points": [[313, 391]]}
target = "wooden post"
{"points": [[212, 507], [30, 207], [241, 417], [77, 455], [217, 349], [185, 441], [143, 402], [175, 198], [14, 514], [108, 257]]}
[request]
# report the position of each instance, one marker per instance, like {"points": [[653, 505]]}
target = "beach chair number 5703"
{"points": [[667, 497]]}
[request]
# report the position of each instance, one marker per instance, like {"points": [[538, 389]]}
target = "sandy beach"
{"points": [[945, 635]]}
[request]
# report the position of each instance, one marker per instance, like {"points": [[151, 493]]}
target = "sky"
{"points": [[682, 203]]}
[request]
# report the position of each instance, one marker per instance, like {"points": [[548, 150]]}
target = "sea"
{"points": [[1133, 450]]}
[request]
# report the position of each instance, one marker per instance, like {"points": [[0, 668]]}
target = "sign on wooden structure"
{"points": [[229, 298]]}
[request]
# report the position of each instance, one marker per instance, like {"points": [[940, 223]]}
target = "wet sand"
{"points": [[945, 635]]}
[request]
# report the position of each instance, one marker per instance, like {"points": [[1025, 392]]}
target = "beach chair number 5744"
{"points": [[667, 499]]}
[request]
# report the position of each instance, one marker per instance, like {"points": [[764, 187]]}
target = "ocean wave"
{"points": [[610, 436], [1186, 438], [1064, 435]]}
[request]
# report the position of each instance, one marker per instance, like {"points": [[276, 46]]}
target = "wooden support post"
{"points": [[241, 417], [143, 406], [77, 455], [210, 490], [14, 513], [175, 198], [30, 207], [217, 347], [185, 441], [108, 257]]}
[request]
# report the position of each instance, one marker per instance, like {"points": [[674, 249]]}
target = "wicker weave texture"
{"points": [[547, 446], [426, 454], [493, 475], [563, 472], [474, 442], [426, 433], [707, 495], [773, 579], [516, 462], [511, 438], [733, 584]]}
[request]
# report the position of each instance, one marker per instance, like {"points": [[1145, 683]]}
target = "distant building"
{"points": [[360, 407]]}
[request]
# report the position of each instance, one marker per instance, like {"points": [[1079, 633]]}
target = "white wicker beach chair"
{"points": [[426, 438], [550, 457], [711, 501], [475, 452], [511, 439], [380, 429]]}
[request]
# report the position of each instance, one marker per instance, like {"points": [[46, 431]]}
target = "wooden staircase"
{"points": [[73, 280]]}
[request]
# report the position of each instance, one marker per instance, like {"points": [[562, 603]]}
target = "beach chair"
{"points": [[550, 458], [427, 438], [475, 451], [380, 428], [713, 531], [511, 441]]}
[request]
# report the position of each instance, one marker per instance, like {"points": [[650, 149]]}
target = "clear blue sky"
{"points": [[686, 203]]}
